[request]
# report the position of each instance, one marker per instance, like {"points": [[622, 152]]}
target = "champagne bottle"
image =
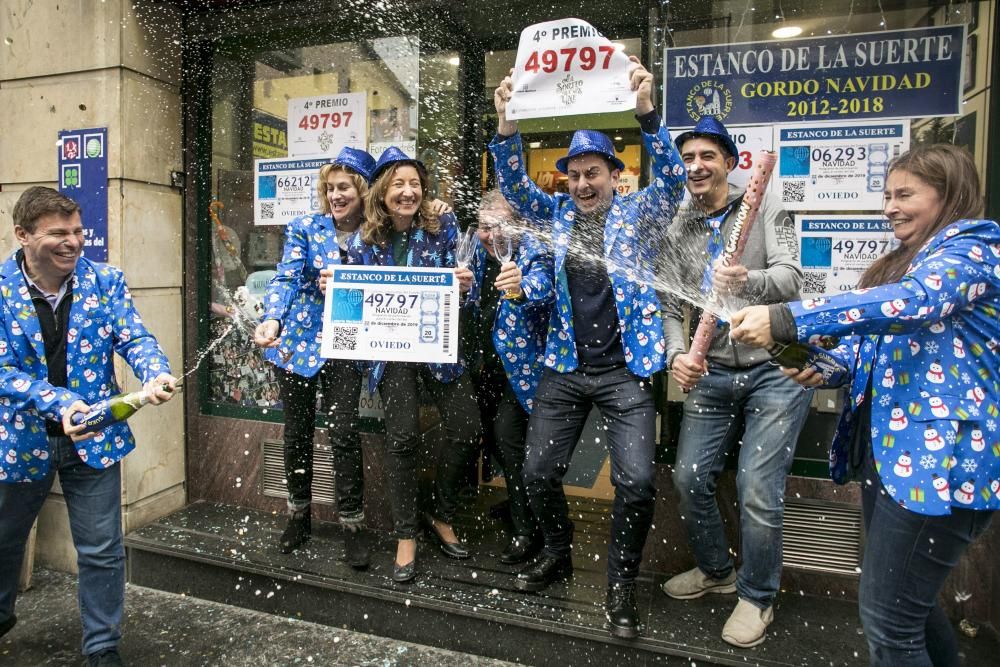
{"points": [[801, 356], [115, 409]]}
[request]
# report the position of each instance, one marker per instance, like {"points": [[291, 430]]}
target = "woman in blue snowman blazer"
{"points": [[291, 333], [920, 421], [401, 228]]}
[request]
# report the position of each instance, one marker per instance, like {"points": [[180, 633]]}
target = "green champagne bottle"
{"points": [[801, 356], [115, 409]]}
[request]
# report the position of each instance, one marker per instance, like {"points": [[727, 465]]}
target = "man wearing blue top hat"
{"points": [[736, 395], [290, 334], [605, 335]]}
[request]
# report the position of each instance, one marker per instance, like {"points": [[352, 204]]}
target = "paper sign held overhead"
{"points": [[565, 68]]}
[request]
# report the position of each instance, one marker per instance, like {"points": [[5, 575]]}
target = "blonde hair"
{"points": [[377, 226], [360, 184], [951, 171]]}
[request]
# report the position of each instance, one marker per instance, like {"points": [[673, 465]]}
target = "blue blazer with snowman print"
{"points": [[633, 224], [520, 327], [928, 343], [102, 321], [293, 297], [423, 249]]}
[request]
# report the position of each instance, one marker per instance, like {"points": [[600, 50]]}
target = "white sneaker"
{"points": [[694, 583], [747, 624]]}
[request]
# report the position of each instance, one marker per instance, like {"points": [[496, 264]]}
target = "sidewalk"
{"points": [[173, 630]]}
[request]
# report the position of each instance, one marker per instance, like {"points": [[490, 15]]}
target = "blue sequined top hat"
{"points": [[391, 156], [589, 141], [356, 160], [709, 126]]}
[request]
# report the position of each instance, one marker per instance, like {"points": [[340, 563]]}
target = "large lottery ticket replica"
{"points": [[391, 314], [567, 67]]}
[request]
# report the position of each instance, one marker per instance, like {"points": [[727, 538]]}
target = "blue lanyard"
{"points": [[715, 243]]}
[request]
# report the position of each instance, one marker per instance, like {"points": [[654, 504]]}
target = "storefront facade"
{"points": [[195, 97]]}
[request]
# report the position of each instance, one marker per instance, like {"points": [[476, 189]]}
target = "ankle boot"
{"points": [[297, 531], [356, 549], [544, 571], [621, 610]]}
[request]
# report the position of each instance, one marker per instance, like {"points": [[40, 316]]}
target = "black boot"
{"points": [[621, 611], [544, 571], [356, 548], [521, 549], [297, 531]]}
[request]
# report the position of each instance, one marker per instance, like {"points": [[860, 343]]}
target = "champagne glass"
{"points": [[465, 246], [503, 249]]}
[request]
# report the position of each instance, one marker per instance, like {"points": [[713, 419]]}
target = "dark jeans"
{"points": [[340, 384], [506, 419], [627, 407], [907, 558], [93, 498], [460, 421], [764, 410]]}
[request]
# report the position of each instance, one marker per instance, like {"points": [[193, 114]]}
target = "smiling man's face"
{"points": [[53, 248], [591, 182]]}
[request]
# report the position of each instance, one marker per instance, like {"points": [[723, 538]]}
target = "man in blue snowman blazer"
{"points": [[605, 336], [62, 319]]}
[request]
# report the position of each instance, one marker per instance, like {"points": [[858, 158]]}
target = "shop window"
{"points": [[303, 104]]}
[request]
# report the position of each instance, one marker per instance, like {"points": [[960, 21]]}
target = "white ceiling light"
{"points": [[455, 60], [787, 31]]}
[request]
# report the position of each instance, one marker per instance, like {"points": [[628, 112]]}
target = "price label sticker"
{"points": [[322, 125], [565, 68]]}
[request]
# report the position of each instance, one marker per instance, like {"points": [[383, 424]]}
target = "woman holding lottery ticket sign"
{"points": [[919, 428], [402, 228], [290, 334]]}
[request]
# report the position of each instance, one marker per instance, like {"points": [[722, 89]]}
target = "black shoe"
{"points": [[356, 548], [6, 626], [521, 549], [621, 611], [297, 531], [106, 658], [402, 574], [455, 550], [544, 571]]}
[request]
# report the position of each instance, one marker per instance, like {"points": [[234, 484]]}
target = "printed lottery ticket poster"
{"points": [[836, 250], [749, 142], [322, 125], [391, 314], [565, 68], [834, 167], [284, 189]]}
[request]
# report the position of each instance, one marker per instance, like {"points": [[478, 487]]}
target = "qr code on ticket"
{"points": [[793, 191], [814, 282], [344, 338], [267, 210]]}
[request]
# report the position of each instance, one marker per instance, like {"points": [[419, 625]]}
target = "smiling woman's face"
{"points": [[404, 194], [911, 205]]}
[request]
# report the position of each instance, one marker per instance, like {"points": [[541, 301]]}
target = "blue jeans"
{"points": [[764, 410], [562, 404], [907, 558], [93, 498]]}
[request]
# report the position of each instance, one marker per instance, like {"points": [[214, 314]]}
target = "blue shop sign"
{"points": [[83, 177], [890, 74]]}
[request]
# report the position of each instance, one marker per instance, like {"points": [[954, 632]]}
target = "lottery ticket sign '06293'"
{"points": [[391, 314], [567, 67]]}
